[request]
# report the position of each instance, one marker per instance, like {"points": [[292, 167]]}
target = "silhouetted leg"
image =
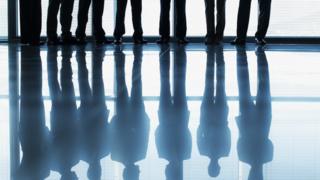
{"points": [[136, 8], [264, 18], [181, 23], [210, 13], [35, 21], [221, 18], [98, 7], [120, 15], [25, 18], [82, 18], [52, 20], [164, 28], [243, 18], [66, 17]]}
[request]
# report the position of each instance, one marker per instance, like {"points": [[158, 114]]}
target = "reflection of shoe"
{"points": [[218, 39], [209, 40], [118, 40], [182, 41], [53, 41], [69, 176], [36, 43], [163, 40], [103, 40], [238, 41], [260, 41], [139, 41], [81, 40], [69, 40]]}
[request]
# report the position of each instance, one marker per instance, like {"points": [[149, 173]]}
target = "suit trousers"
{"points": [[210, 17]]}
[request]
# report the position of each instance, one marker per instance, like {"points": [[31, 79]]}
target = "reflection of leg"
{"points": [[97, 78], [180, 65], [264, 17], [209, 84], [221, 17], [120, 15], [210, 17], [164, 29], [52, 66], [121, 87], [243, 18], [84, 87], [221, 91], [165, 94], [181, 24], [136, 8], [136, 89]]}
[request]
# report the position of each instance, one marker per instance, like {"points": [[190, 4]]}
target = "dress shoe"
{"points": [[68, 40], [81, 40], [36, 43], [238, 41], [209, 40], [163, 40], [218, 39], [101, 41], [117, 40], [182, 41], [260, 41], [140, 41], [53, 41]]}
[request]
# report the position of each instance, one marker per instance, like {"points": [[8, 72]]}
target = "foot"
{"points": [[81, 40], [53, 41], [36, 43], [163, 40], [69, 40], [102, 41], [140, 41], [209, 40], [260, 41], [218, 39], [182, 41], [118, 40], [238, 41]]}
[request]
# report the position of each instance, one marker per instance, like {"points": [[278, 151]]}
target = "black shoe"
{"points": [[238, 41], [163, 40], [53, 41], [182, 41], [118, 40], [69, 40], [218, 39], [260, 41], [139, 41], [36, 43], [81, 40], [209, 40], [102, 41]]}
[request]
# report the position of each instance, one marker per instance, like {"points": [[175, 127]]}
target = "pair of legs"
{"points": [[212, 30], [30, 19], [136, 8], [180, 22], [98, 7], [66, 8]]}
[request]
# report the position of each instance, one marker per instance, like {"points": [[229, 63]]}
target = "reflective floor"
{"points": [[160, 112]]}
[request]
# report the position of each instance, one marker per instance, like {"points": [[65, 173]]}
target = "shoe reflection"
{"points": [[254, 146], [63, 114], [213, 135], [130, 126], [173, 138], [33, 134], [93, 113]]}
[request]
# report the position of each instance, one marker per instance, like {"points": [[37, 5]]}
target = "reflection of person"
{"points": [[33, 133], [93, 113], [136, 8], [66, 8], [254, 146], [64, 126], [129, 127], [97, 13], [213, 135], [173, 138], [243, 21], [181, 22], [215, 32]]}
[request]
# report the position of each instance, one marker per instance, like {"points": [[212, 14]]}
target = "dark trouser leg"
{"points": [[181, 23], [243, 18], [210, 18], [221, 17], [120, 15], [66, 17], [264, 17], [164, 29], [136, 7], [25, 19], [98, 7], [82, 18], [52, 21], [36, 21]]}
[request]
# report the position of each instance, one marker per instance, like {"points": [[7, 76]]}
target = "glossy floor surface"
{"points": [[160, 112]]}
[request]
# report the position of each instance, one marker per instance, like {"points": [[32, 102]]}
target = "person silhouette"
{"points": [[93, 113], [63, 115], [130, 125], [215, 32], [243, 21], [213, 134], [33, 134], [180, 23], [97, 13], [173, 138], [254, 146], [66, 8], [119, 31]]}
